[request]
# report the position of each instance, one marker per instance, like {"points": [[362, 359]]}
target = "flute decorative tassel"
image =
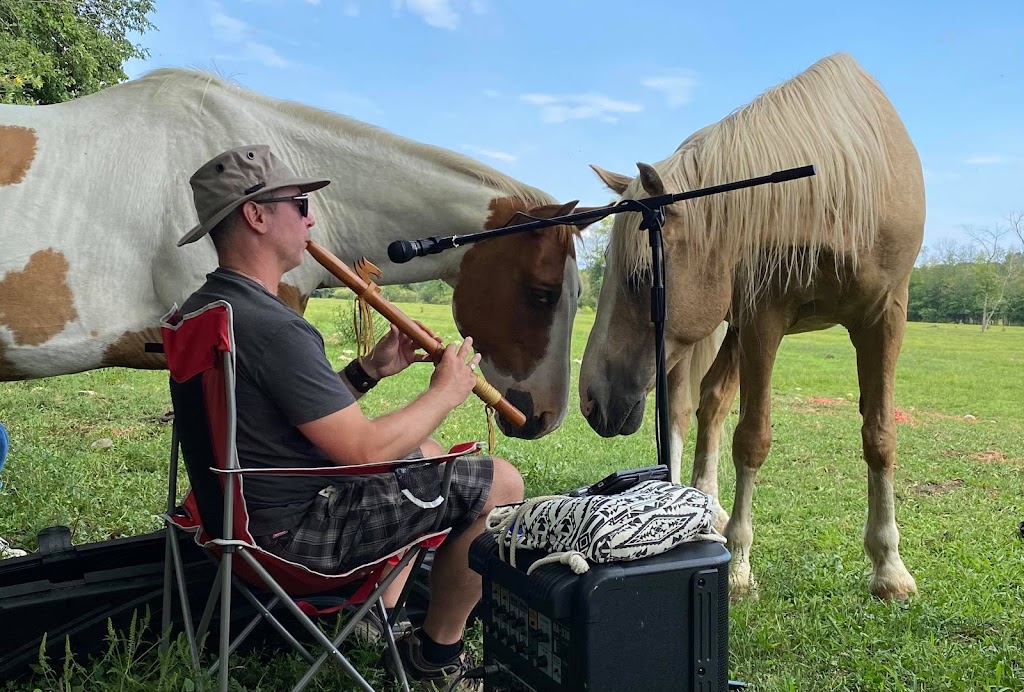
{"points": [[370, 292], [362, 318]]}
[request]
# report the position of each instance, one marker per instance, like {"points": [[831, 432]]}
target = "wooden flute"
{"points": [[371, 294]]}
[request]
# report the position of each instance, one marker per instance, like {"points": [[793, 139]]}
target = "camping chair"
{"points": [[200, 356]]}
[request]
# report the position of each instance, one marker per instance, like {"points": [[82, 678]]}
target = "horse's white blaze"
{"points": [[548, 382]]}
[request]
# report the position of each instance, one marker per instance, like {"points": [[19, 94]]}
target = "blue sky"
{"points": [[539, 90]]}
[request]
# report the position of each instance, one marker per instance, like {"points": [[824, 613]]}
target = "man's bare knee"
{"points": [[431, 448], [506, 485]]}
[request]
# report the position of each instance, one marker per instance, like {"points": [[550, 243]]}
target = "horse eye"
{"points": [[543, 296]]}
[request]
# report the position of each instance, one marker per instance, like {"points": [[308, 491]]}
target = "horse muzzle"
{"points": [[621, 417]]}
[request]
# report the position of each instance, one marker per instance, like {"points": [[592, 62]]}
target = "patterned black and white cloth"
{"points": [[650, 518]]}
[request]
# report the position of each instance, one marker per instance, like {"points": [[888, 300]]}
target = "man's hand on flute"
{"points": [[395, 352]]}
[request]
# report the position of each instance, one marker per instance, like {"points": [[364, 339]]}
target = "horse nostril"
{"points": [[544, 421], [586, 405], [522, 401]]}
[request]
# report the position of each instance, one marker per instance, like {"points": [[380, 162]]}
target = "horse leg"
{"points": [[717, 392], [759, 339], [878, 346], [680, 409]]}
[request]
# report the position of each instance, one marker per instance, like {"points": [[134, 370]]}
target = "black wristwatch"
{"points": [[359, 378]]}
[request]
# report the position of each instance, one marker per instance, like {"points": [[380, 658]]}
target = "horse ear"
{"points": [[583, 224], [550, 211], [650, 179], [616, 182]]}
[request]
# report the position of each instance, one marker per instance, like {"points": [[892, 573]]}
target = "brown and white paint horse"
{"points": [[94, 195], [773, 260]]}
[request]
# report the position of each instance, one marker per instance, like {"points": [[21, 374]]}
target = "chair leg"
{"points": [[165, 618], [225, 617], [265, 612], [389, 636], [186, 610], [311, 627], [211, 601], [358, 616]]}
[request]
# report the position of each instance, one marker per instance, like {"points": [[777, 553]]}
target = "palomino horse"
{"points": [[837, 248], [94, 196]]}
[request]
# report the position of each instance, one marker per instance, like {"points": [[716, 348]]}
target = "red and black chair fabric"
{"points": [[200, 355]]}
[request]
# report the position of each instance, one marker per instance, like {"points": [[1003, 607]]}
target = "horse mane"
{"points": [[831, 115], [369, 137]]}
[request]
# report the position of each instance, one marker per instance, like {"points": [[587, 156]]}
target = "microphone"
{"points": [[404, 250]]}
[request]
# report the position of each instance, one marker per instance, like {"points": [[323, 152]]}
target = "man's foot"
{"points": [[7, 551], [431, 676], [370, 630]]}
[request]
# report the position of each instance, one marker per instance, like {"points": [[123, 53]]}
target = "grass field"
{"points": [[959, 483]]}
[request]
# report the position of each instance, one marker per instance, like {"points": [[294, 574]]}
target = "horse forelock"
{"points": [[831, 115]]}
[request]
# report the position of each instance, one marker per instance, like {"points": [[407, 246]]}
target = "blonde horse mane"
{"points": [[832, 116], [369, 137]]}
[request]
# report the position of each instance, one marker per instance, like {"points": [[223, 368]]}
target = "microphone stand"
{"points": [[652, 210]]}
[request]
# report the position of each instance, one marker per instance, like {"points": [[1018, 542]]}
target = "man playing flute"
{"points": [[294, 410]]}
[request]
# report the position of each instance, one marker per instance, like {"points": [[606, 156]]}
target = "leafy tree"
{"points": [[57, 50], [981, 282], [595, 240], [996, 268]]}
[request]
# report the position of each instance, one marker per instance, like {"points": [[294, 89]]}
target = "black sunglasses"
{"points": [[303, 202]]}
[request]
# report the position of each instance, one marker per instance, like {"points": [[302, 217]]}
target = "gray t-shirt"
{"points": [[283, 379]]}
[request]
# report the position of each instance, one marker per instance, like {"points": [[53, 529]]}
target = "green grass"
{"points": [[959, 485]]}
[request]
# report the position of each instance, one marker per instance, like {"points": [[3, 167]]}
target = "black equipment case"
{"points": [[64, 590], [660, 623]]}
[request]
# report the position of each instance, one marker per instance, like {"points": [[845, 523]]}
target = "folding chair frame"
{"points": [[368, 596]]}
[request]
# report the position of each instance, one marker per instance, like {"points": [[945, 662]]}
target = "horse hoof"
{"points": [[741, 589], [893, 589]]}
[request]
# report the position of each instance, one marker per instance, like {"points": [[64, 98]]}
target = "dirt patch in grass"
{"points": [[992, 456], [989, 456], [933, 488], [902, 416], [825, 401]]}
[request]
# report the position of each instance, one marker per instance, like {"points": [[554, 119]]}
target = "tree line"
{"points": [[980, 281]]}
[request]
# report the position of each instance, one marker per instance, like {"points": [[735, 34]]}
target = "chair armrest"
{"points": [[454, 453]]}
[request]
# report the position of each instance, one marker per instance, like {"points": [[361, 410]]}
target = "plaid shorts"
{"points": [[359, 520]]}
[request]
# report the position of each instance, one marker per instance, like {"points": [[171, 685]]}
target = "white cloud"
{"points": [[265, 54], [560, 108], [986, 159], [492, 93], [350, 9], [313, 2], [236, 32], [436, 13], [678, 88], [492, 153], [231, 29]]}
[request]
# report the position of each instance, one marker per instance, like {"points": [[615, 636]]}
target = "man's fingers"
{"points": [[428, 331]]}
